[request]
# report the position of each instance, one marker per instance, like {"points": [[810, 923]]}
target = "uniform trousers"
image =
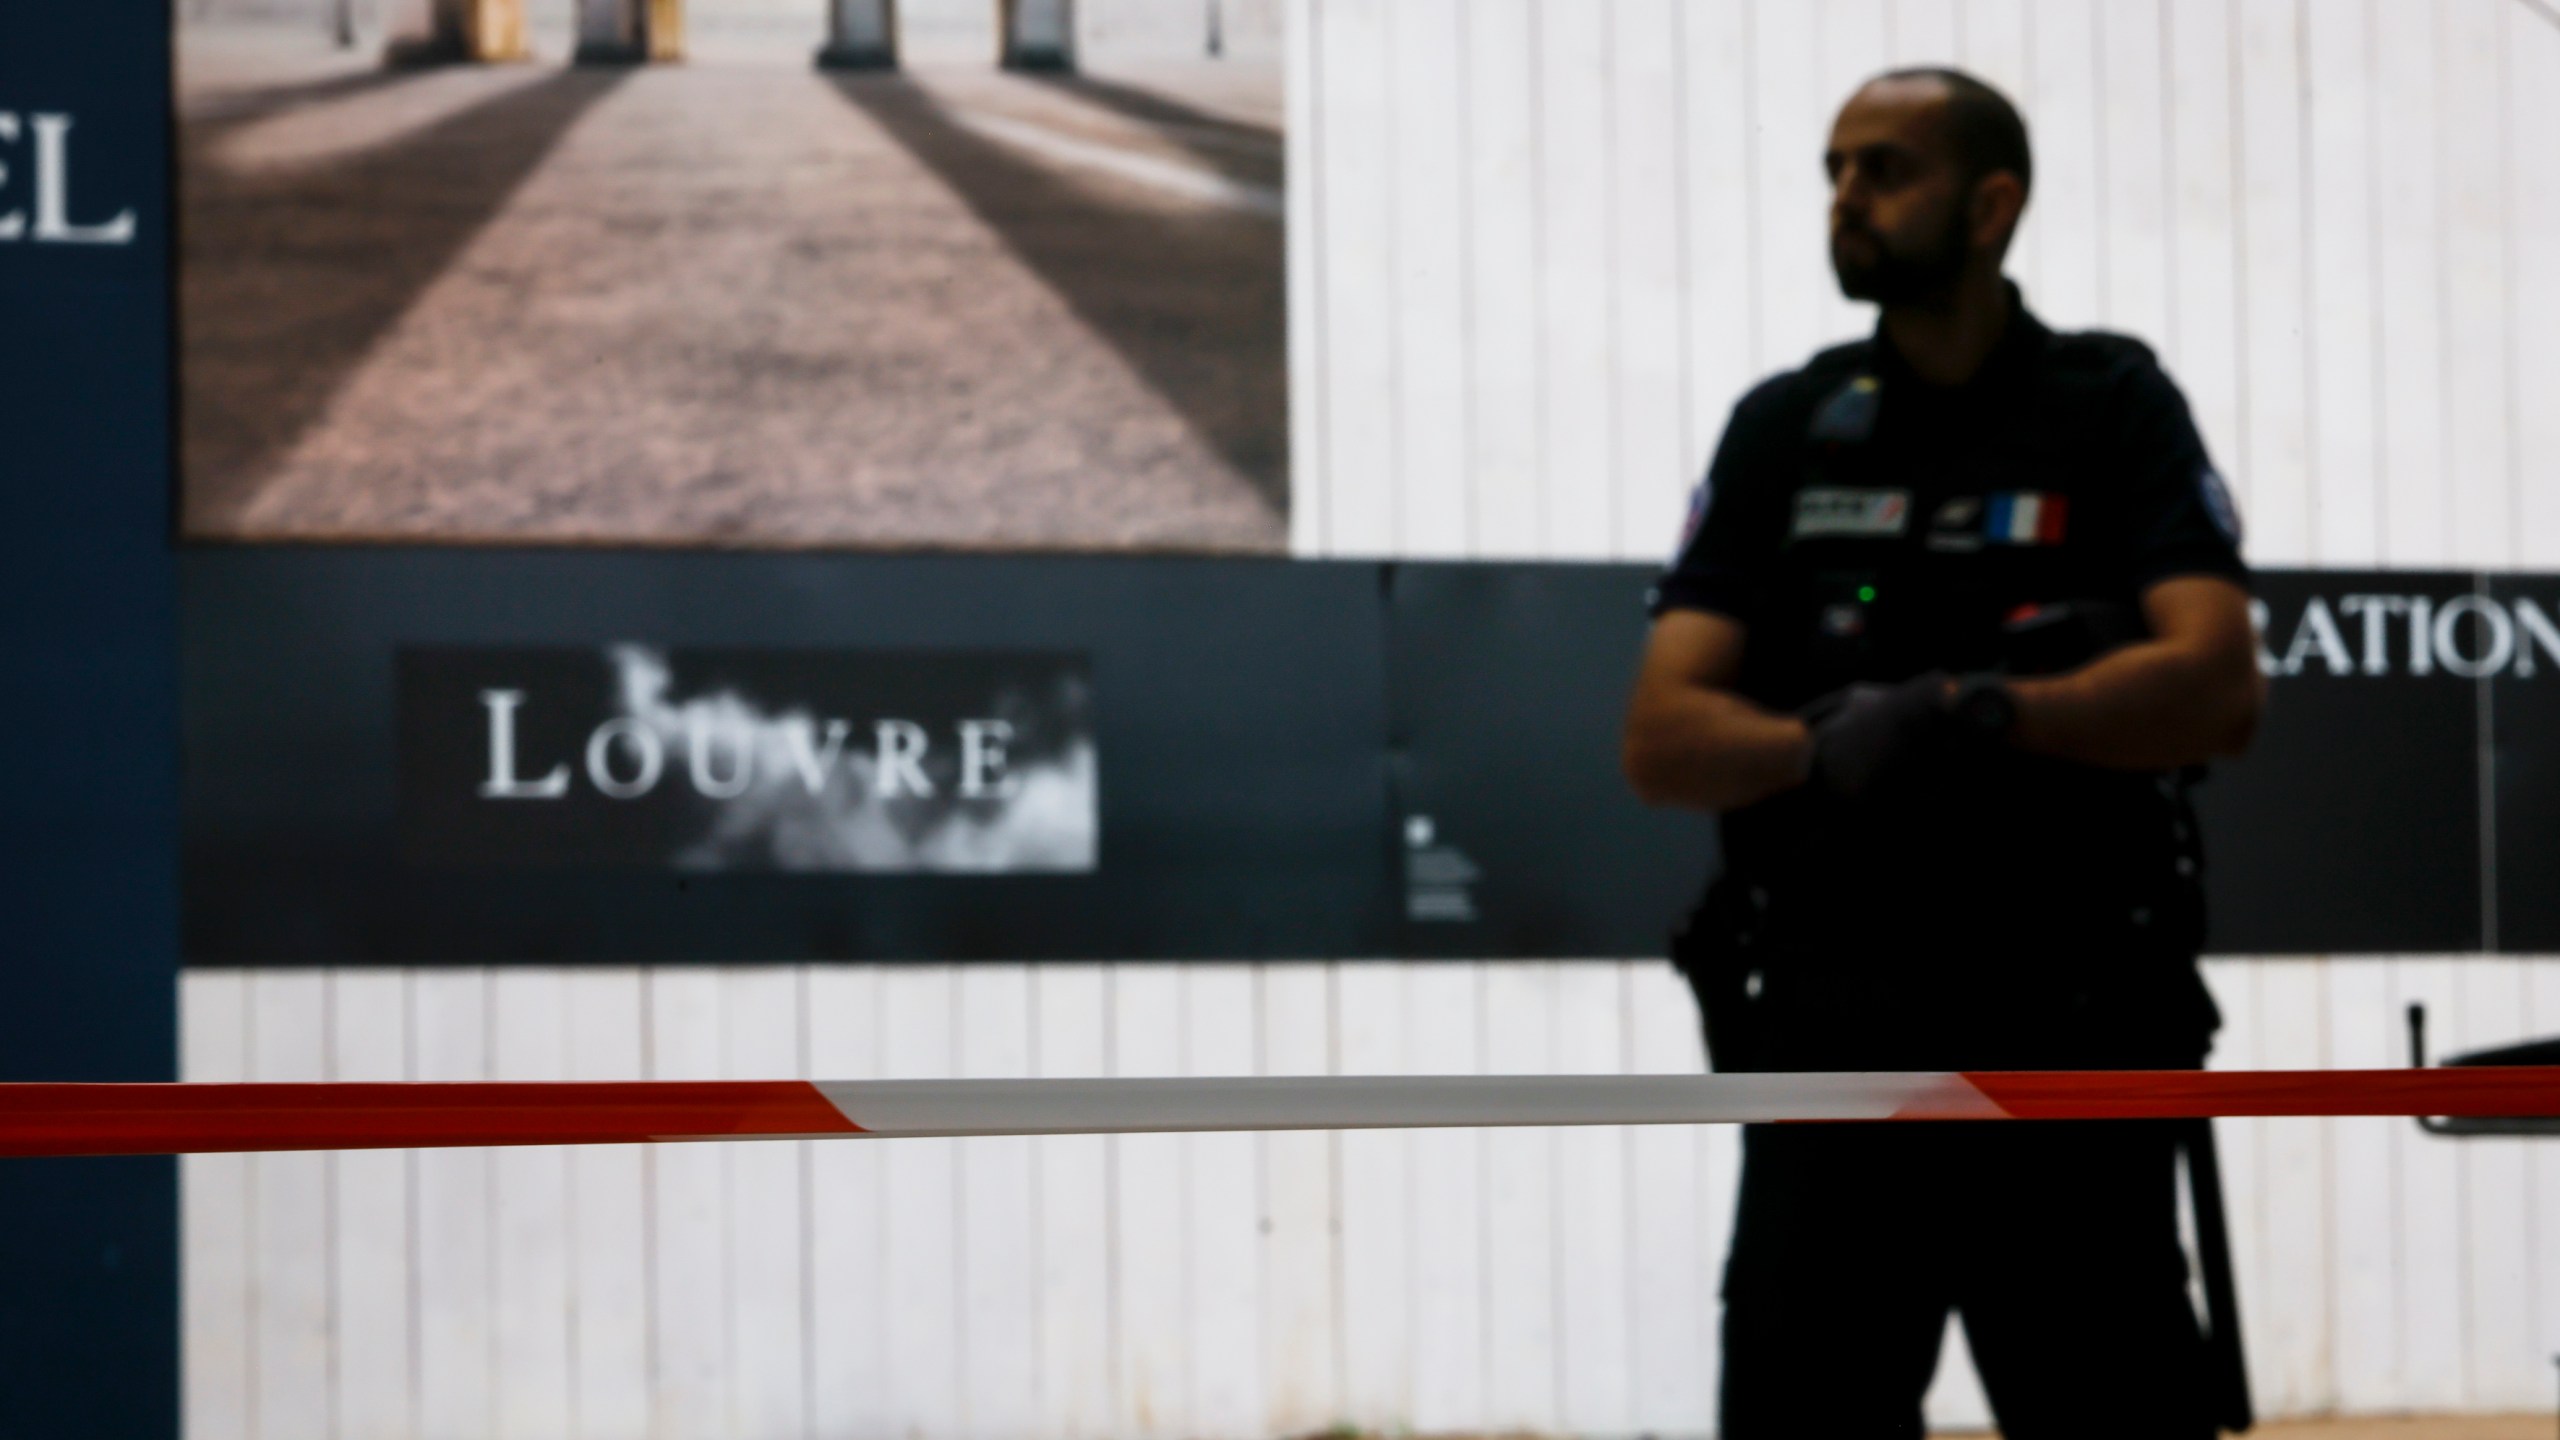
{"points": [[2056, 1243]]}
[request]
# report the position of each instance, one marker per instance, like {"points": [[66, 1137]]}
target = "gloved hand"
{"points": [[1865, 733]]}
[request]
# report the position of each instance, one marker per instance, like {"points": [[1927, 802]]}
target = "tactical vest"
{"points": [[1997, 889]]}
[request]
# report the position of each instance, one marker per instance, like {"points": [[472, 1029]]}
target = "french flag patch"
{"points": [[2025, 517]]}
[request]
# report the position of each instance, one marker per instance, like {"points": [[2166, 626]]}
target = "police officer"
{"points": [[1961, 606]]}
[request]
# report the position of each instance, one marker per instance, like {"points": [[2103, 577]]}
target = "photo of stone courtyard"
{"points": [[765, 273]]}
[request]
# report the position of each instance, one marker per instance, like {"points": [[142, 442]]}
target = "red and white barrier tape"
{"points": [[37, 1119]]}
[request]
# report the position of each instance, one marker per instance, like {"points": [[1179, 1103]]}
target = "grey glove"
{"points": [[1865, 734]]}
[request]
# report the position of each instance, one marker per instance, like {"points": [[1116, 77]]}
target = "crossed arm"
{"points": [[2189, 693]]}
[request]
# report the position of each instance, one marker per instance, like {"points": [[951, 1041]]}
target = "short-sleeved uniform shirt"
{"points": [[1866, 525]]}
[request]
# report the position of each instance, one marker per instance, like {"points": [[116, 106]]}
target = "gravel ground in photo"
{"points": [[734, 301]]}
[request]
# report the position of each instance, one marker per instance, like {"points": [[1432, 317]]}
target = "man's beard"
{"points": [[1900, 277]]}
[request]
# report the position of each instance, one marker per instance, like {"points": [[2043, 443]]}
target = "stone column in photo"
{"points": [[437, 32], [612, 32], [663, 30], [1037, 34], [422, 32], [495, 29], [861, 35]]}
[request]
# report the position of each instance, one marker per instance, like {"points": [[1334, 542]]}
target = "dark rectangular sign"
{"points": [[1515, 834], [89, 1316], [1128, 758], [2354, 823], [723, 760], [2518, 626], [420, 756]]}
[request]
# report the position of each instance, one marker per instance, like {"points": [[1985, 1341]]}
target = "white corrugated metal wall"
{"points": [[1537, 247]]}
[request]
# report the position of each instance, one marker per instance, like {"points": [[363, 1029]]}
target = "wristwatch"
{"points": [[1982, 706]]}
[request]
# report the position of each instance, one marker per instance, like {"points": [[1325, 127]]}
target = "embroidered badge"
{"points": [[2025, 517], [1952, 528], [1867, 514], [1849, 416], [1698, 498], [2217, 503]]}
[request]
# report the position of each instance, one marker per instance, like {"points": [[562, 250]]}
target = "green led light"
{"points": [[1867, 594]]}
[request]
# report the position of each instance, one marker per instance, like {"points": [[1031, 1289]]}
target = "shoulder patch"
{"points": [[2218, 503], [1848, 417], [1699, 498]]}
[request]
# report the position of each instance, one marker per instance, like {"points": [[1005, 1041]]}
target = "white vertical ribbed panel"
{"points": [[529, 1217], [1671, 1192], [1301, 1350], [289, 1219], [1537, 248], [1649, 455], [608, 1208], [2532, 58], [1594, 1254], [999, 1347], [1576, 161], [1506, 360], [2542, 1184], [1070, 1300], [918, 1299], [1522, 1259], [370, 1215], [1222, 1201], [1222, 1286], [213, 1191], [450, 1254], [1148, 1224], [848, 1265], [765, 1344], [688, 1216], [2364, 1032], [1425, 139], [1373, 1208], [1449, 1361], [2328, 220]]}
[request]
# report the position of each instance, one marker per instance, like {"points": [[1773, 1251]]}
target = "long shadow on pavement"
{"points": [[1234, 148], [287, 278], [1193, 301], [229, 109]]}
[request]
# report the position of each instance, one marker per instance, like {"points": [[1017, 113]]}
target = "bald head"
{"points": [[1983, 132], [1929, 173]]}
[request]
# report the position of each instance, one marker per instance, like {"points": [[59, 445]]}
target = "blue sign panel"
{"points": [[88, 1248]]}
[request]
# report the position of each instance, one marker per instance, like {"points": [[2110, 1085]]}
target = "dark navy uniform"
{"points": [[1985, 910]]}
